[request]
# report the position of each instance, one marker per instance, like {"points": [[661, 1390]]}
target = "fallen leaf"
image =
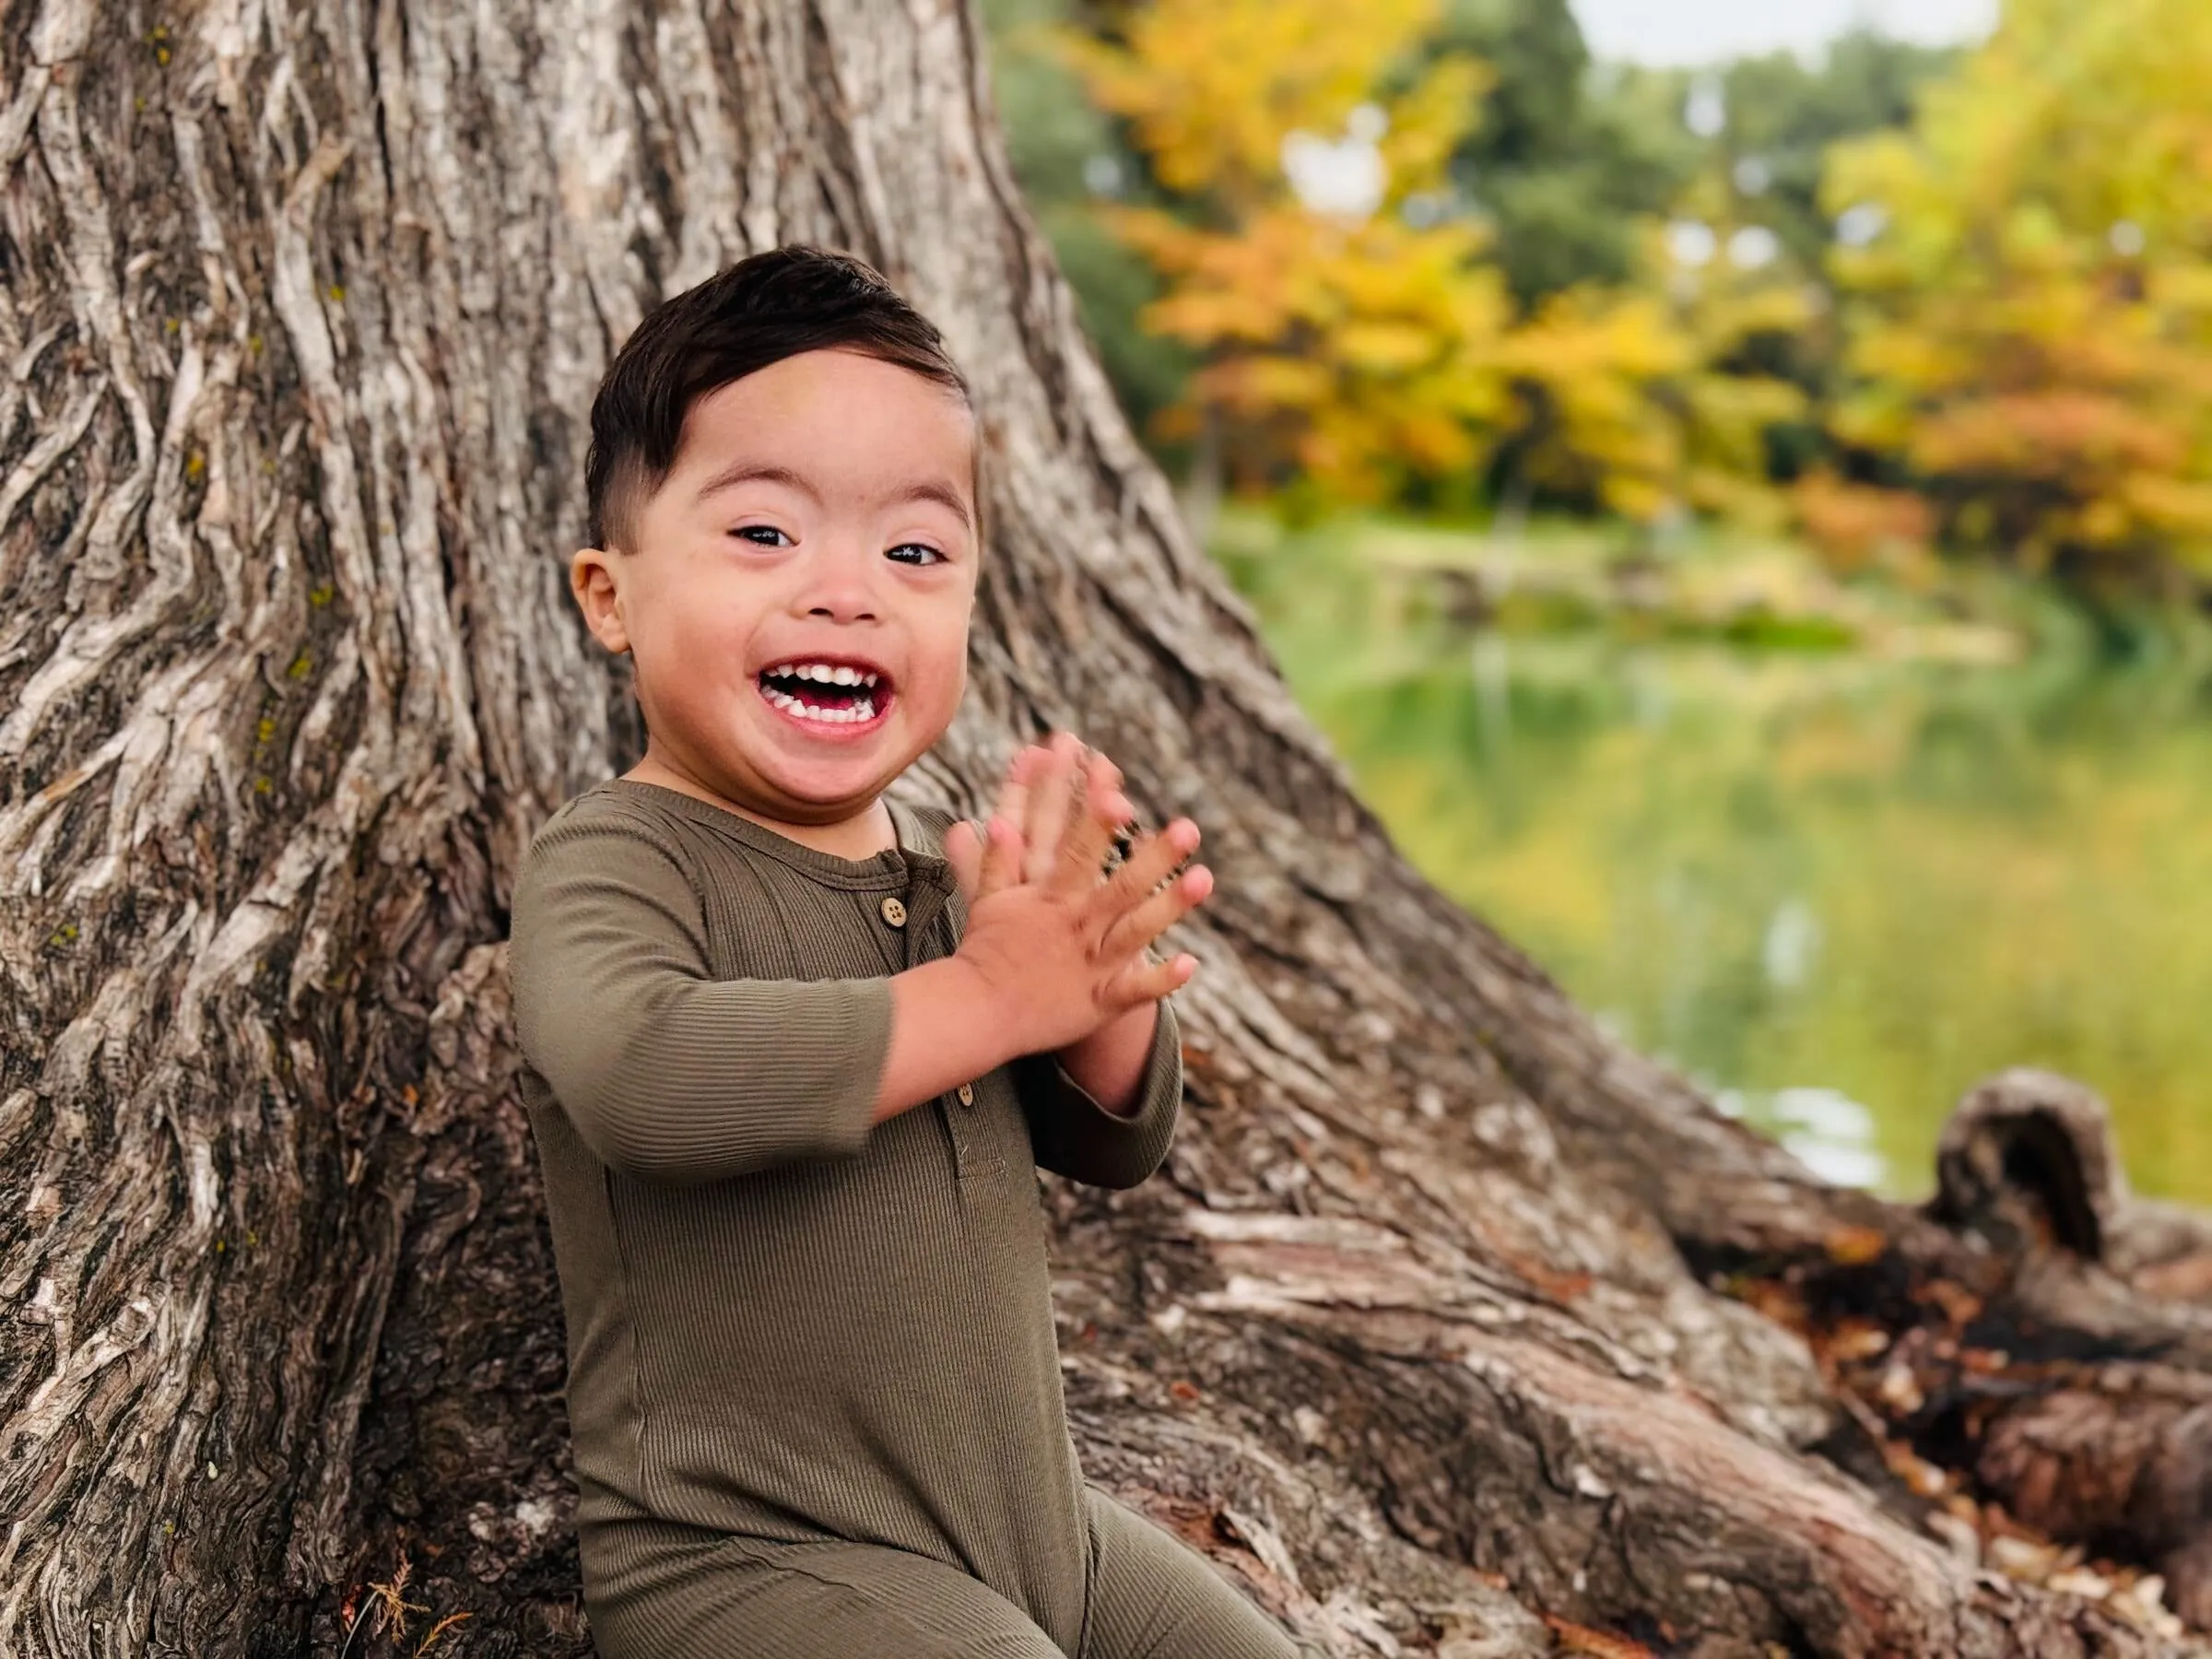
{"points": [[1925, 1478], [1775, 1302], [1857, 1339], [2081, 1581], [1855, 1246], [2017, 1558], [1899, 1390], [1599, 1644], [1959, 1305]]}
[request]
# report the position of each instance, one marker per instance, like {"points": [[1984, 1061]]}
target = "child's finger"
{"points": [[964, 853], [1050, 791], [1140, 926], [1148, 982], [1151, 860], [1082, 851], [1001, 861], [1013, 803], [1101, 777]]}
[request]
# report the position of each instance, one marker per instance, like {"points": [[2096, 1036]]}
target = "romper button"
{"points": [[966, 1094], [894, 912]]}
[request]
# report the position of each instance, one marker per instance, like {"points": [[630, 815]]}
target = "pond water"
{"points": [[1834, 891]]}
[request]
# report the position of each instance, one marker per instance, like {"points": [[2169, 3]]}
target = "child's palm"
{"points": [[1062, 940]]}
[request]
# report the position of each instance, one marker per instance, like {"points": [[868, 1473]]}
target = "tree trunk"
{"points": [[305, 305]]}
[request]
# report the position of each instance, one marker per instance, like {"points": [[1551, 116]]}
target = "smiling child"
{"points": [[795, 1052]]}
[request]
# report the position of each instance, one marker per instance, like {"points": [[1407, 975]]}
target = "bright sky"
{"points": [[1698, 31]]}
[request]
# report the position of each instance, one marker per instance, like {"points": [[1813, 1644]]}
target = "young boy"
{"points": [[793, 1051]]}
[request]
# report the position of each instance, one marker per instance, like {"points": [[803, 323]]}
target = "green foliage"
{"points": [[1568, 158], [1782, 117]]}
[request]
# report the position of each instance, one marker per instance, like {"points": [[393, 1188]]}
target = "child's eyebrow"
{"points": [[937, 491], [757, 472], [944, 494]]}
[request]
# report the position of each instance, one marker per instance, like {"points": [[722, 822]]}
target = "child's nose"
{"points": [[839, 587]]}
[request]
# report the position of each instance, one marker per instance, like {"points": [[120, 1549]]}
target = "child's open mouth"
{"points": [[828, 693]]}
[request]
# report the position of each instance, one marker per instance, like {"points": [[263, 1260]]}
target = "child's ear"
{"points": [[591, 580]]}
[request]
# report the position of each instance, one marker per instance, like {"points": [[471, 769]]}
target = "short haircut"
{"points": [[761, 309]]}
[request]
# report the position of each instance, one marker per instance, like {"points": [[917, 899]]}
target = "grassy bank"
{"points": [[1407, 585]]}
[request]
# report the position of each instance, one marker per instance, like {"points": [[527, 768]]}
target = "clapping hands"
{"points": [[1063, 943]]}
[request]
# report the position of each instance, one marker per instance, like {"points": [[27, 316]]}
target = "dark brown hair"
{"points": [[758, 311]]}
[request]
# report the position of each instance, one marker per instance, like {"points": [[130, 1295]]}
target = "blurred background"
{"points": [[1733, 479]]}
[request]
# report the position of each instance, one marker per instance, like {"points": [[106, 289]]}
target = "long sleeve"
{"points": [[667, 1073], [1075, 1137]]}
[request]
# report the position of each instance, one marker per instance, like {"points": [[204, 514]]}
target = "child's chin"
{"points": [[830, 781]]}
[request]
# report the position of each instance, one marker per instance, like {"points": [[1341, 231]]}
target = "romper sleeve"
{"points": [[668, 1074], [1074, 1136]]}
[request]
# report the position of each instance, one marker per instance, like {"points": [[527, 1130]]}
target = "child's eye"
{"points": [[765, 536], [916, 553]]}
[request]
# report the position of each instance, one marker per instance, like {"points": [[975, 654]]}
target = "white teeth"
{"points": [[863, 708], [823, 673]]}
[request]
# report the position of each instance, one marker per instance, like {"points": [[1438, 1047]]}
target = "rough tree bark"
{"points": [[304, 301]]}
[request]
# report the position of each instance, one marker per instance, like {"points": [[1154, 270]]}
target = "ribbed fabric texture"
{"points": [[785, 1325], [1149, 1596]]}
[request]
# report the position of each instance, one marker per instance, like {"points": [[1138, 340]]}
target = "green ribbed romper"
{"points": [[813, 1390]]}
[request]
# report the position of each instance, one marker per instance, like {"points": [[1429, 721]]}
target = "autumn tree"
{"points": [[1345, 329], [1352, 307], [2029, 270], [1656, 401]]}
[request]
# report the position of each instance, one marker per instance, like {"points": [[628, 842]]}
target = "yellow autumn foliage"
{"points": [[1587, 366], [1357, 354], [1626, 404], [1211, 89], [1342, 344], [1634, 401], [1360, 348], [2017, 357], [2030, 331]]}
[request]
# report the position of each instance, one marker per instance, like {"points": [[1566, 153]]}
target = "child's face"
{"points": [[820, 515]]}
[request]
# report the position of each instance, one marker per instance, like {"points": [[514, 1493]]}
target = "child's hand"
{"points": [[1033, 802], [1061, 946]]}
